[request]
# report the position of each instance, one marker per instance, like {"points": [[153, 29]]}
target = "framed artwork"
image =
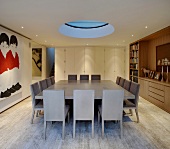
{"points": [[10, 65], [36, 61]]}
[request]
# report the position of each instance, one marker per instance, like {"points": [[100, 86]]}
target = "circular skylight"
{"points": [[86, 29]]}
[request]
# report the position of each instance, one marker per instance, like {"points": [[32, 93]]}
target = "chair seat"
{"points": [[127, 104], [67, 108], [39, 105]]}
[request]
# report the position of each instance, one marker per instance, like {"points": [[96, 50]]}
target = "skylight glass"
{"points": [[86, 24], [86, 29]]}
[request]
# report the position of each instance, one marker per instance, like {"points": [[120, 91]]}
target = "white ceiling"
{"points": [[44, 17]]}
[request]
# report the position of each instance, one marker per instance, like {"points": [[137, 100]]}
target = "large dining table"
{"points": [[97, 85]]}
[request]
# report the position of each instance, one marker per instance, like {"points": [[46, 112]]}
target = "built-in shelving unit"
{"points": [[134, 61], [151, 53]]}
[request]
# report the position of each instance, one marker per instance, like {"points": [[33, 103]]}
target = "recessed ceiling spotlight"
{"points": [[22, 27], [36, 35], [132, 35], [146, 27]]}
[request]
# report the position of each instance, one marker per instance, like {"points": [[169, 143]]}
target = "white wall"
{"points": [[26, 73], [107, 61]]}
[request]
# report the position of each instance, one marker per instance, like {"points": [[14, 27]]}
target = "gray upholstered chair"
{"points": [[121, 82], [95, 77], [111, 108], [72, 77], [43, 84], [37, 104], [83, 107], [55, 108], [127, 84], [52, 80], [84, 77], [118, 80], [133, 103], [49, 83]]}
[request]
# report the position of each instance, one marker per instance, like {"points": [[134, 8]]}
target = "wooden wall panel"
{"points": [[108, 62], [99, 62], [70, 62], [119, 62], [59, 64], [79, 61], [89, 60], [152, 50]]}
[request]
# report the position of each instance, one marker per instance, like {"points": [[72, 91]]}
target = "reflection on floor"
{"points": [[153, 131]]}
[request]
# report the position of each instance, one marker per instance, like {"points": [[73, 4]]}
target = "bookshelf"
{"points": [[134, 62]]}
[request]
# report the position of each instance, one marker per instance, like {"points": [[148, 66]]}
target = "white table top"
{"points": [[97, 85]]}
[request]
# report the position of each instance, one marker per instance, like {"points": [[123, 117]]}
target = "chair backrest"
{"points": [[84, 77], [35, 90], [72, 77], [43, 84], [121, 82], [54, 105], [49, 83], [118, 80], [95, 77], [112, 104], [83, 103], [134, 89], [127, 84], [52, 80]]}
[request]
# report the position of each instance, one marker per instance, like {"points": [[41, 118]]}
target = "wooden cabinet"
{"points": [[155, 92], [69, 62], [119, 63], [143, 88], [167, 99], [60, 64], [109, 62], [99, 62], [79, 61]]}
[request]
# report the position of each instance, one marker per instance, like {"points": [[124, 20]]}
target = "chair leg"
{"points": [[93, 128], [37, 113], [63, 133], [45, 125], [131, 112], [121, 129], [68, 116], [74, 128], [102, 128], [33, 112], [98, 117], [137, 115]]}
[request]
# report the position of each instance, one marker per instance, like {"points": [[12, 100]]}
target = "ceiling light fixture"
{"points": [[146, 27], [22, 27], [36, 35], [132, 35]]}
